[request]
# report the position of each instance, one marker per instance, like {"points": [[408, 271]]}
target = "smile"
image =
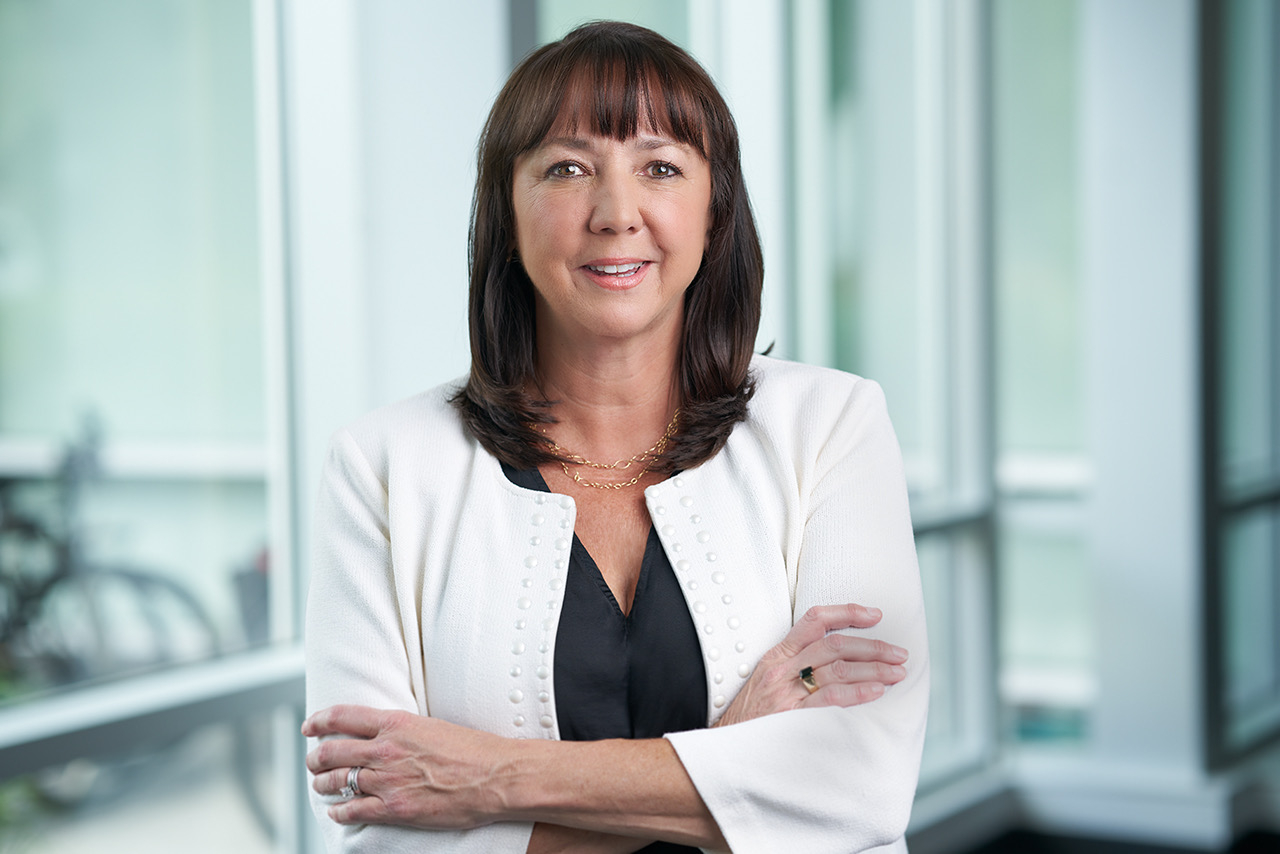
{"points": [[616, 269]]}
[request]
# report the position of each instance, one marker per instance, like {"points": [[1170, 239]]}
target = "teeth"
{"points": [[618, 269]]}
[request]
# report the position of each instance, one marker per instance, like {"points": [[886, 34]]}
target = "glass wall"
{"points": [[136, 523], [1243, 304]]}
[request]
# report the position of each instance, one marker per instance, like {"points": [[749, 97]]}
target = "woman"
{"points": [[599, 597]]}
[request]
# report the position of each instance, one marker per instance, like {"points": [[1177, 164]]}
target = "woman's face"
{"points": [[611, 232]]}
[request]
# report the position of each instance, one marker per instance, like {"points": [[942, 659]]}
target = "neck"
{"points": [[612, 400]]}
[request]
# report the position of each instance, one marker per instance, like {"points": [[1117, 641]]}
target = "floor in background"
{"points": [[1024, 842]]}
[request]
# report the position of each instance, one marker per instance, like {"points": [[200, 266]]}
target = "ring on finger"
{"points": [[806, 679], [352, 789]]}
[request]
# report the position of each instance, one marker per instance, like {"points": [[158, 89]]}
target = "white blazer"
{"points": [[436, 587]]}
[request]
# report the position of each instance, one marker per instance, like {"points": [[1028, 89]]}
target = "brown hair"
{"points": [[614, 78]]}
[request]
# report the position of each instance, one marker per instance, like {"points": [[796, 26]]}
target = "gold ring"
{"points": [[806, 678]]}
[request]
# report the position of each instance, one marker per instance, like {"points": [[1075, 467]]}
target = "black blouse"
{"points": [[636, 675]]}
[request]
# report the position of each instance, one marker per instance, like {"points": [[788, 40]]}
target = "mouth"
{"points": [[620, 275]]}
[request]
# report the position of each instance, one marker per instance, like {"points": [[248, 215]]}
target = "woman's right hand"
{"points": [[848, 670]]}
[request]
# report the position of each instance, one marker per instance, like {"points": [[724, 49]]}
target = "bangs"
{"points": [[616, 98]]}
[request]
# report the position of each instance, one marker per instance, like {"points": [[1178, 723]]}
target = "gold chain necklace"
{"points": [[647, 457]]}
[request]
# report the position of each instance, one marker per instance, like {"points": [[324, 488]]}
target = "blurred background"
{"points": [[1049, 228]]}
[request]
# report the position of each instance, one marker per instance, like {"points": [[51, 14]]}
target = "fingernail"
{"points": [[898, 671], [874, 613], [900, 652]]}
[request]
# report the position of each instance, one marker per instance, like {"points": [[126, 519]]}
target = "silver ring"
{"points": [[352, 789]]}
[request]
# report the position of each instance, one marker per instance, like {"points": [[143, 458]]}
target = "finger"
{"points": [[852, 672], [359, 721], [333, 782], [341, 753], [844, 695], [832, 648], [818, 620]]}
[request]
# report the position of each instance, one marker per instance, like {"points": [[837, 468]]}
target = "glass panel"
{"points": [[133, 522], [1252, 597], [888, 304], [1250, 228], [1047, 680], [209, 792], [1039, 357]]}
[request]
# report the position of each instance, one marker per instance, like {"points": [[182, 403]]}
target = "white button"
{"points": [[535, 541], [682, 565], [703, 536], [516, 696], [675, 547], [695, 519], [668, 530], [718, 678], [556, 584], [562, 544], [544, 697], [544, 647], [546, 721], [711, 557], [566, 523], [734, 622], [719, 700], [717, 577], [531, 561], [539, 498], [740, 646], [542, 671], [526, 582], [692, 585], [548, 624], [520, 624], [659, 510], [714, 653], [744, 671], [559, 564], [523, 603], [726, 599], [517, 648], [515, 671], [700, 607], [538, 519], [709, 629], [679, 481], [519, 720], [686, 501], [566, 502]]}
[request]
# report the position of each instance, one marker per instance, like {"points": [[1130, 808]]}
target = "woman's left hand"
{"points": [[414, 770]]}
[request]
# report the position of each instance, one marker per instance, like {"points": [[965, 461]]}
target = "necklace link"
{"points": [[647, 457]]}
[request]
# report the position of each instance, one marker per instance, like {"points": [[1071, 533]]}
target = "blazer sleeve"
{"points": [[832, 779], [363, 644]]}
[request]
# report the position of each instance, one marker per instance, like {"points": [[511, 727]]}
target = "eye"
{"points": [[664, 169], [566, 169]]}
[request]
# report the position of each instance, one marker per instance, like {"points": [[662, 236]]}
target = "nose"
{"points": [[615, 204]]}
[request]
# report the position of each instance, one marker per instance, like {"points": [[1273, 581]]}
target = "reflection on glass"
{"points": [[937, 576], [133, 528], [209, 792]]}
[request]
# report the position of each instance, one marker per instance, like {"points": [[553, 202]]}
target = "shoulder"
{"points": [[414, 431], [791, 395]]}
